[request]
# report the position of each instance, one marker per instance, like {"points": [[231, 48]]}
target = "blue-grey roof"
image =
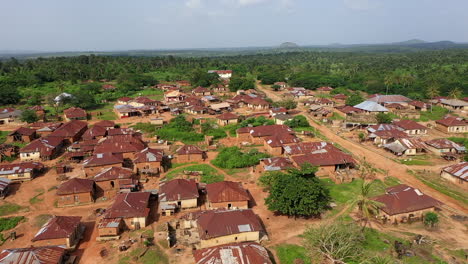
{"points": [[371, 107]]}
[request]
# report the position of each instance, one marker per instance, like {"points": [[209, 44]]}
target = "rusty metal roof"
{"points": [[237, 253], [459, 170], [33, 255], [75, 185], [113, 173], [127, 205], [226, 191], [58, 227], [189, 149], [23, 167], [149, 155], [178, 189]]}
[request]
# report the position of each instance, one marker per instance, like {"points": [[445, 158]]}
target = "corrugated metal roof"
{"points": [[371, 107]]}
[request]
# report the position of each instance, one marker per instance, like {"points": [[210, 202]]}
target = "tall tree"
{"points": [[455, 93], [366, 205]]}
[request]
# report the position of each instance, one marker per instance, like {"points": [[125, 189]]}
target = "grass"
{"points": [[3, 136], [434, 181], [437, 113], [154, 255], [10, 208], [345, 192], [37, 198], [288, 253], [10, 222], [415, 162], [40, 220], [210, 174]]}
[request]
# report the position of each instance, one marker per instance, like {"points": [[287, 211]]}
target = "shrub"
{"points": [[233, 157]]}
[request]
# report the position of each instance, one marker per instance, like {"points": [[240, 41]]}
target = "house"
{"points": [[255, 135], [442, 146], [125, 145], [60, 230], [22, 134], [274, 144], [183, 83], [45, 129], [33, 255], [4, 186], [70, 131], [196, 110], [325, 89], [23, 171], [418, 105], [142, 101], [224, 74], [274, 164], [227, 119], [371, 107], [190, 153], [452, 124], [8, 150], [324, 102], [307, 147], [406, 146], [411, 127], [251, 253], [112, 180], [74, 113], [280, 119], [46, 148], [174, 96], [454, 104], [177, 194], [403, 203], [224, 106], [75, 191], [382, 137], [108, 87], [124, 100], [201, 91], [9, 115], [110, 228], [319, 111], [278, 110], [107, 124], [220, 89], [227, 194], [389, 99], [340, 98], [149, 161], [349, 110], [95, 132], [238, 226], [94, 164], [457, 174], [133, 208]]}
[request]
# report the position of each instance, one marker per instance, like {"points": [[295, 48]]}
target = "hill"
{"points": [[288, 45]]}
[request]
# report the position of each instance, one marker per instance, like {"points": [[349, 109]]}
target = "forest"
{"points": [[418, 75]]}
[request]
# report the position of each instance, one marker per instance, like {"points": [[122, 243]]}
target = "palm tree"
{"points": [[388, 81], [366, 205], [432, 91], [455, 93]]}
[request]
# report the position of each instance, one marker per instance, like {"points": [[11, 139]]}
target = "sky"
{"points": [[107, 25]]}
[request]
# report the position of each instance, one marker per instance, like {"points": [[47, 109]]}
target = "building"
{"points": [[452, 124], [256, 135], [443, 146], [225, 74], [371, 107], [224, 106], [142, 101], [125, 145], [177, 194], [325, 89], [457, 174], [112, 180], [9, 115], [132, 208], [280, 119], [274, 144], [22, 134], [33, 255], [227, 119], [274, 164], [411, 127], [174, 96], [403, 203], [453, 104], [60, 230], [281, 85], [201, 91], [95, 132], [382, 137], [45, 129], [389, 99], [23, 171], [74, 113], [71, 131], [4, 187], [251, 253], [76, 191], [190, 153], [107, 124], [149, 161], [406, 146], [418, 105], [46, 148], [228, 195], [99, 161], [110, 228]]}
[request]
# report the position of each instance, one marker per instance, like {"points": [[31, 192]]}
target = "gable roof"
{"points": [[101, 159], [449, 121], [149, 155], [459, 170], [178, 189], [95, 131], [189, 149], [409, 124], [404, 199], [371, 106], [347, 109], [75, 112], [46, 146], [105, 123], [69, 129], [325, 89], [113, 173], [227, 116], [453, 102], [226, 191], [325, 157], [33, 255], [248, 253], [23, 131], [120, 144], [58, 227], [308, 147], [126, 205], [280, 139], [264, 131], [276, 163], [443, 143], [23, 167], [418, 104], [391, 98], [75, 185], [392, 133]]}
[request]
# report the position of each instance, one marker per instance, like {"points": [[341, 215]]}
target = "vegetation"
{"points": [[179, 129], [154, 255], [431, 219], [288, 104], [212, 129], [384, 118], [354, 99], [288, 254], [3, 136], [366, 206], [233, 157], [298, 121], [29, 116], [208, 173], [10, 222], [9, 208], [433, 113], [297, 192]]}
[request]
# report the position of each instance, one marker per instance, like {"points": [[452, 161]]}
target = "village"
{"points": [[83, 189]]}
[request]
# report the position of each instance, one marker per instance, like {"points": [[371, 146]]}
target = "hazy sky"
{"points": [[59, 25]]}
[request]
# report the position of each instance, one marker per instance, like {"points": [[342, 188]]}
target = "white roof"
{"points": [[371, 107]]}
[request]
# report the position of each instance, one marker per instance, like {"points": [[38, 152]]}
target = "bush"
{"points": [[431, 219], [179, 129], [10, 222], [297, 121], [383, 118], [233, 157]]}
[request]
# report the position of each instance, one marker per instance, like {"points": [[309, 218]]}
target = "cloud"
{"points": [[362, 4], [193, 3], [251, 2]]}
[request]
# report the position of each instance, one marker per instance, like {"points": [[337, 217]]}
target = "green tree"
{"points": [[354, 99], [383, 118], [297, 121], [241, 83], [455, 93], [432, 91], [29, 116], [431, 219], [288, 104], [9, 95], [366, 205]]}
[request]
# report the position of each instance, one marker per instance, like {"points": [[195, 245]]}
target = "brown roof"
{"points": [[70, 129], [418, 104], [127, 205], [408, 124], [264, 131], [75, 185], [449, 121], [113, 173], [340, 97], [189, 149], [308, 147], [23, 167], [75, 112], [459, 170], [121, 131], [105, 123], [443, 143], [281, 139], [277, 163], [58, 227], [324, 158], [149, 155], [120, 144], [228, 116], [200, 89], [124, 99], [46, 146], [325, 89], [392, 133], [404, 199], [349, 109], [33, 255], [178, 189], [102, 159], [391, 98], [23, 131], [95, 131], [251, 253], [226, 191], [233, 222]]}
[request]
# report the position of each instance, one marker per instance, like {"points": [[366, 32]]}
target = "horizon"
{"points": [[55, 26]]}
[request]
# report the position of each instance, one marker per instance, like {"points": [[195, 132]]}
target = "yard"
{"points": [[208, 173]]}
